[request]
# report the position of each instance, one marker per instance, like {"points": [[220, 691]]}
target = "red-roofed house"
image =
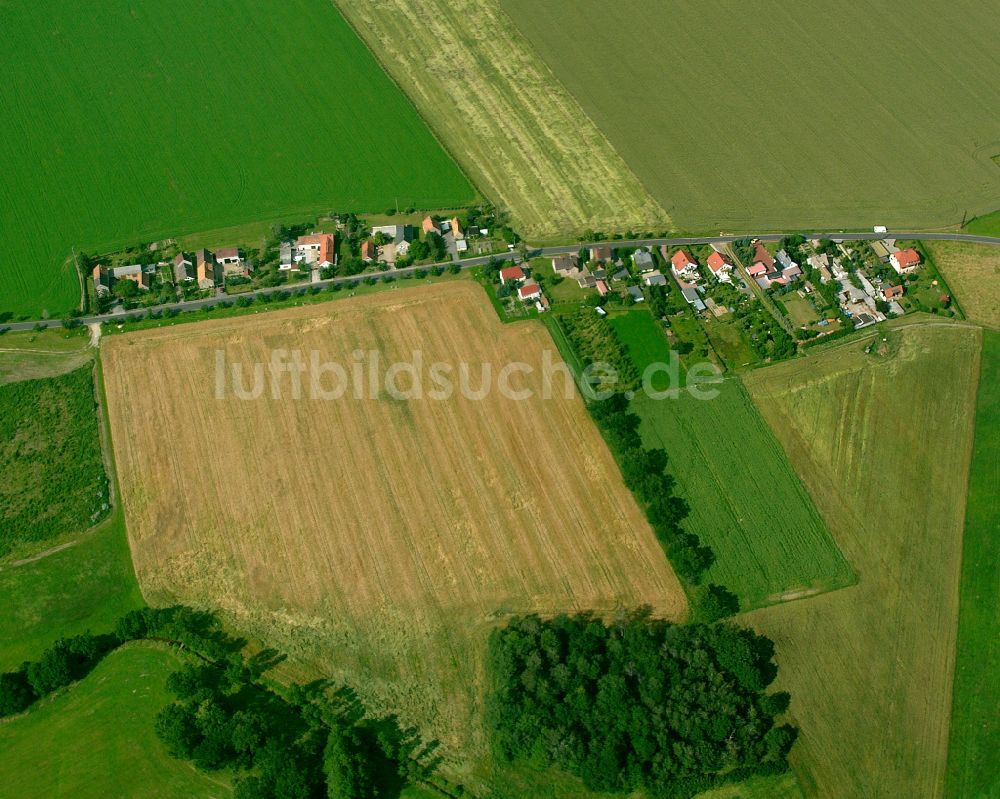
{"points": [[602, 288], [368, 250], [529, 291], [429, 226], [683, 265], [513, 273], [206, 269], [720, 266], [102, 280], [456, 228], [892, 292], [905, 260], [317, 249]]}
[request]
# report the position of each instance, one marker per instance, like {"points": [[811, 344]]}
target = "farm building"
{"points": [[206, 270], [315, 250], [133, 272], [368, 251], [184, 271], [563, 265], [102, 280]]}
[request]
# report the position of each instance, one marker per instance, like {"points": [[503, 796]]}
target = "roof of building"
{"points": [[600, 253], [636, 293], [717, 261], [641, 258], [563, 263], [124, 271], [762, 256], [180, 258], [907, 258], [203, 255], [227, 252], [785, 260], [655, 279], [529, 290], [681, 260], [892, 291], [512, 273], [429, 226]]}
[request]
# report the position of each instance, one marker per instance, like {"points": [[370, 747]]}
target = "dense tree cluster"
{"points": [[645, 473], [637, 705], [306, 745], [596, 343]]}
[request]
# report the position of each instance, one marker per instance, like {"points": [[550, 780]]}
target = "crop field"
{"points": [[131, 123], [883, 444], [975, 737], [523, 139], [96, 738], [746, 502], [973, 273], [50, 457], [378, 539], [765, 115]]}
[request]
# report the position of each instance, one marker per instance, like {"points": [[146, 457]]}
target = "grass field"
{"points": [[31, 355], [378, 539], [973, 770], [984, 225], [973, 273], [132, 123], [96, 738], [765, 116], [883, 444], [517, 132], [746, 502], [50, 457]]}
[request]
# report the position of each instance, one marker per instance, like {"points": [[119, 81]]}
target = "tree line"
{"points": [[644, 471], [638, 704]]}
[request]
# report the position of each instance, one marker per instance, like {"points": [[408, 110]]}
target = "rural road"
{"points": [[468, 263]]}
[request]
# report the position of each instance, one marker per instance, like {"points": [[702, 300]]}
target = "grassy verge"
{"points": [[975, 734], [96, 738]]}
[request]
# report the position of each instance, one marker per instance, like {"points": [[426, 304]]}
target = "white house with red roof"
{"points": [[529, 291], [513, 274], [722, 267], [684, 266], [905, 261]]}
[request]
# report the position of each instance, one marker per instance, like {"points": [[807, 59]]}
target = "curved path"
{"points": [[467, 263]]}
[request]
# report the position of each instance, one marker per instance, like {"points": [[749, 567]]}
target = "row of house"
{"points": [[206, 268], [769, 270], [527, 290], [312, 251]]}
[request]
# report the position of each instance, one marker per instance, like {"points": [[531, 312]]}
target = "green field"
{"points": [[135, 122], [96, 738], [883, 443], [50, 457], [746, 502], [774, 115], [973, 770]]}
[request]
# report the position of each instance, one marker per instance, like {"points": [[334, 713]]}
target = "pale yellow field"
{"points": [[972, 271], [521, 137], [883, 445], [375, 540]]}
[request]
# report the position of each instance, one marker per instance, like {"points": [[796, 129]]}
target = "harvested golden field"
{"points": [[883, 444], [972, 271], [376, 540], [504, 116]]}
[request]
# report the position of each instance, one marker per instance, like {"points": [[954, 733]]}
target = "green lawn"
{"points": [[645, 341], [985, 225], [86, 586], [96, 738], [973, 769], [800, 311], [132, 122], [746, 502], [50, 457], [698, 98]]}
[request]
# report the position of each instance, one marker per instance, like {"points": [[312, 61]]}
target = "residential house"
{"points": [[529, 291], [763, 263], [635, 293], [428, 226], [542, 304], [602, 288], [905, 261], [600, 254], [655, 278], [368, 253], [511, 273], [564, 265], [133, 272], [683, 265], [318, 249], [456, 229], [585, 279], [102, 280], [890, 292], [643, 261], [399, 235], [721, 267], [184, 271], [206, 270], [621, 274], [693, 298], [461, 245]]}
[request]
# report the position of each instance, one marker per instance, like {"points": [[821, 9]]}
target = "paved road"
{"points": [[562, 249]]}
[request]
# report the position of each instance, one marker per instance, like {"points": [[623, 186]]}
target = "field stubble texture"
{"points": [[771, 115], [504, 116], [883, 445], [378, 540]]}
